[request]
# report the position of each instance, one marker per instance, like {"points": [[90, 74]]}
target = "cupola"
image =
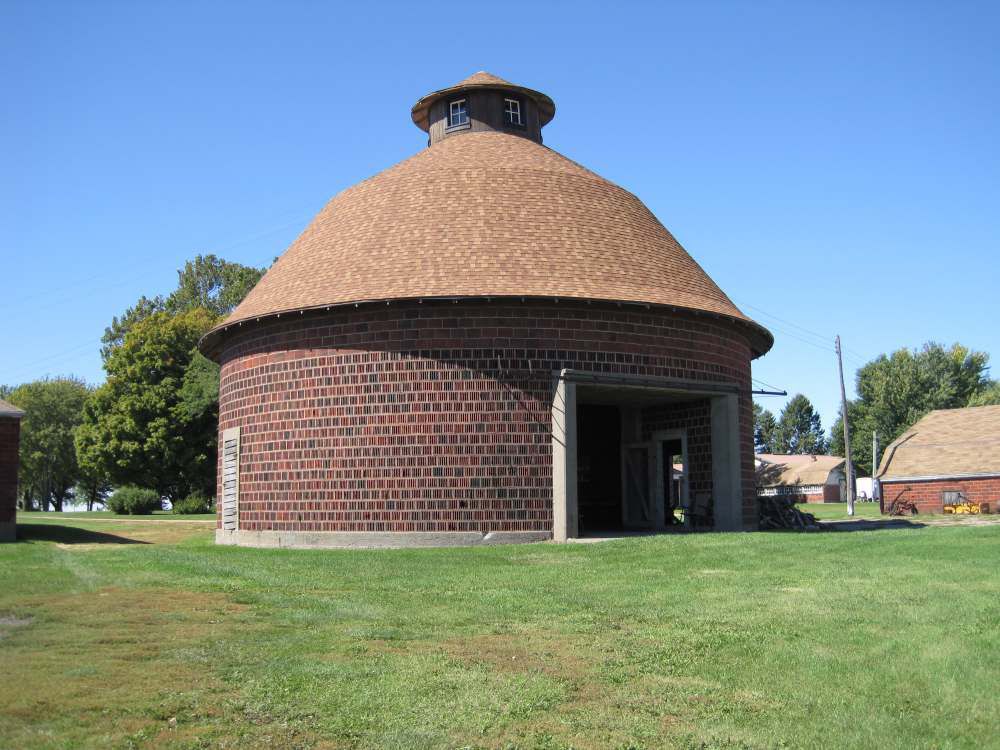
{"points": [[483, 102]]}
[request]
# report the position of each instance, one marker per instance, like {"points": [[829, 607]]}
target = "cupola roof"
{"points": [[481, 80]]}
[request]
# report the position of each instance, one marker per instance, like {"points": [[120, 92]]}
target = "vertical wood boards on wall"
{"points": [[230, 478]]}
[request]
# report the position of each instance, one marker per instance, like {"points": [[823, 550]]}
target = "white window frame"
{"points": [[512, 107], [458, 108]]}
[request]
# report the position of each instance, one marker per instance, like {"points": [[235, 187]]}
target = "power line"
{"points": [[144, 266], [859, 362], [858, 357], [822, 337], [826, 348], [139, 269], [52, 358], [856, 353]]}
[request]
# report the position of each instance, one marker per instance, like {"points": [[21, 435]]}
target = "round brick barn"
{"points": [[485, 343]]}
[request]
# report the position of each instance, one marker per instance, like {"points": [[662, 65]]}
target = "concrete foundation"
{"points": [[373, 540]]}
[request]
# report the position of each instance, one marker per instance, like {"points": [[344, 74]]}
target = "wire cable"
{"points": [[141, 268]]}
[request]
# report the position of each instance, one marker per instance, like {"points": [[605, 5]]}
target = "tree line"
{"points": [[796, 430], [894, 391], [152, 423]]}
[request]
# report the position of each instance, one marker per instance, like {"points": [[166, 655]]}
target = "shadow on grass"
{"points": [[872, 524], [854, 524], [37, 532]]}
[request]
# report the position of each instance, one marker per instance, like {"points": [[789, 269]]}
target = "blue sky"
{"points": [[834, 167]]}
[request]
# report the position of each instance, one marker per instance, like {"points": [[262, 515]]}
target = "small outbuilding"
{"points": [[10, 445], [950, 457], [805, 478]]}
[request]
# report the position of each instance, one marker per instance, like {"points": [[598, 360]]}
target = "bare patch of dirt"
{"points": [[963, 520], [10, 623], [556, 656]]}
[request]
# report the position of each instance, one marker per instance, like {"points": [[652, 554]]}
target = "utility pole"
{"points": [[876, 490], [847, 433]]}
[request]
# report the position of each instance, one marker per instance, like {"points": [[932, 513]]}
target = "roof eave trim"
{"points": [[939, 477], [761, 339], [798, 485]]}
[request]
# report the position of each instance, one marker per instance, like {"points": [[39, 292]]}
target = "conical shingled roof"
{"points": [[487, 214], [482, 77]]}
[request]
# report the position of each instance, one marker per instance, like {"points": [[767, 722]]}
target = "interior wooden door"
{"points": [[637, 506]]}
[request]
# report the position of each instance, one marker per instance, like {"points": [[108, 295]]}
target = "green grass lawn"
{"points": [[838, 511], [119, 633]]}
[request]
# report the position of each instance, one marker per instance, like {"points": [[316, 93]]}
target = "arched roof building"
{"points": [[485, 342]]}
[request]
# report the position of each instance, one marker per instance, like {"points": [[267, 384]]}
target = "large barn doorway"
{"points": [[627, 479], [621, 460]]}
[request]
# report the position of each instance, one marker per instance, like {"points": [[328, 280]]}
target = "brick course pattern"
{"points": [[437, 416], [10, 437], [927, 494]]}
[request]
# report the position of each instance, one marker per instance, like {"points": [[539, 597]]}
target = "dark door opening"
{"points": [[598, 462]]}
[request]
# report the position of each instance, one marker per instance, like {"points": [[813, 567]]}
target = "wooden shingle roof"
{"points": [[806, 469], [486, 215], [946, 443], [8, 409]]}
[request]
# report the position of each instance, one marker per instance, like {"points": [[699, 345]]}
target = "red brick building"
{"points": [[804, 478], [10, 444], [949, 456], [484, 343]]}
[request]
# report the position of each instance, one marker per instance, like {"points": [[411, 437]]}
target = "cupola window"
{"points": [[458, 113], [512, 112]]}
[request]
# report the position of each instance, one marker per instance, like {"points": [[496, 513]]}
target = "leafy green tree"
{"points": [[151, 424], [799, 429], [208, 282], [93, 484], [114, 334], [988, 396], [212, 283], [53, 409], [92, 488], [765, 428], [895, 391]]}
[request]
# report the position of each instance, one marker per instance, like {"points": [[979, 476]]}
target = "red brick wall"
{"points": [[809, 496], [927, 495], [436, 416], [816, 493], [10, 437]]}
